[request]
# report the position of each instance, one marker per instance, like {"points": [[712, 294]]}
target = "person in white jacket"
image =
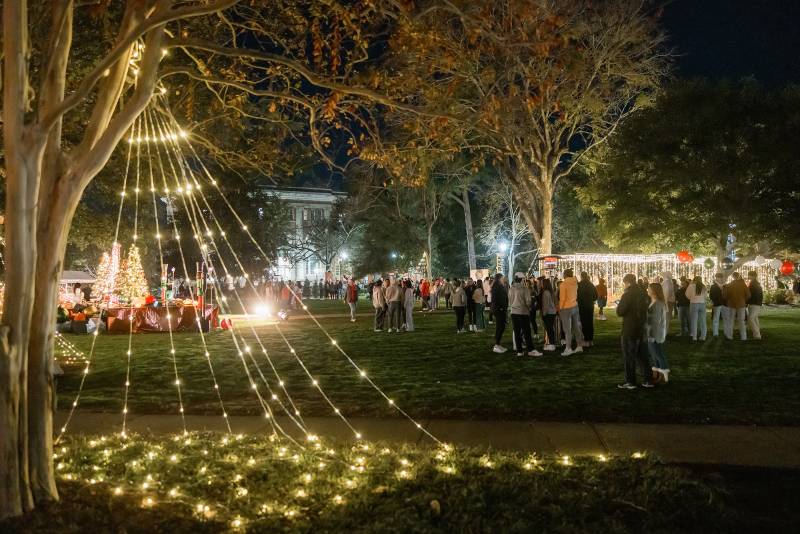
{"points": [[519, 300]]}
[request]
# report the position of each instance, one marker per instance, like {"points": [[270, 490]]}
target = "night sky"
{"points": [[734, 39]]}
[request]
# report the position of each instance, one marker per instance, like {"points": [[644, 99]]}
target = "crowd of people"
{"points": [[565, 309]]}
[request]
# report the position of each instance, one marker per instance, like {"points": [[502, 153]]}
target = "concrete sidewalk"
{"points": [[713, 444]]}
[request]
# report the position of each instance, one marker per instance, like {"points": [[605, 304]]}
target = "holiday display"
{"points": [[708, 263], [684, 256], [107, 273], [132, 283], [787, 268], [726, 264]]}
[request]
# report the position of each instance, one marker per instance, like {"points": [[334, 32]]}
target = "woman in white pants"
{"points": [[408, 302]]}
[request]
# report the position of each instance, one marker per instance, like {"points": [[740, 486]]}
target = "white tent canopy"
{"points": [[77, 277]]}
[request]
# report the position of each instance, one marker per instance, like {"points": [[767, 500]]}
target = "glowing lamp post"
{"points": [[502, 248]]}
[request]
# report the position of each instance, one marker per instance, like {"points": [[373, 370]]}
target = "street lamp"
{"points": [[393, 255]]}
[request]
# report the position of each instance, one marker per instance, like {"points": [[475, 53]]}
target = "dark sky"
{"points": [[736, 38]]}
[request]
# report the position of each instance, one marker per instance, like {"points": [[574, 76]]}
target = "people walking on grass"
{"points": [[718, 308], [569, 314], [379, 303], [499, 311], [351, 297], [394, 298], [459, 301], [696, 293], [657, 329], [587, 295], [433, 301], [408, 304], [736, 294], [682, 302], [519, 302], [602, 298], [668, 285], [479, 298], [632, 308], [754, 304]]}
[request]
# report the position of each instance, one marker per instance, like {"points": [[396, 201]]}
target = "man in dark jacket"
{"points": [[499, 310], [632, 308], [587, 295]]}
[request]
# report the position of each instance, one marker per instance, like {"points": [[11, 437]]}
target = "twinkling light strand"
{"points": [[347, 357], [203, 342], [195, 214], [161, 273], [76, 400]]}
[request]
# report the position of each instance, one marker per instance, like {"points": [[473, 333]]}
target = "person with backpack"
{"points": [[632, 308]]}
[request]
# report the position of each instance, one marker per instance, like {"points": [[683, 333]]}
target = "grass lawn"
{"points": [[209, 483], [435, 373]]}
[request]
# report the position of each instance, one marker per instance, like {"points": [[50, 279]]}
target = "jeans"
{"points": [[352, 309], [601, 303], [658, 355], [394, 314], [460, 312], [447, 304], [409, 316], [434, 303], [718, 312], [683, 316], [753, 310], [571, 324], [522, 332], [480, 319], [471, 311], [550, 328], [499, 326], [735, 314], [380, 316], [534, 326], [633, 351], [697, 318]]}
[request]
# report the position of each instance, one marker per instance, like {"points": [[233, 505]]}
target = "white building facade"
{"points": [[307, 206]]}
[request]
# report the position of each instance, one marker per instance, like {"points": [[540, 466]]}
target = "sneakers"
{"points": [[579, 348], [535, 353], [460, 331], [648, 385], [549, 348], [352, 320], [499, 350], [627, 385], [377, 330], [568, 352], [520, 354]]}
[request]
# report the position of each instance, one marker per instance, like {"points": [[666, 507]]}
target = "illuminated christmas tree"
{"points": [[131, 282], [107, 272]]}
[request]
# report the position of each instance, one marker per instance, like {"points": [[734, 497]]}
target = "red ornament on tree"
{"points": [[787, 268], [684, 256]]}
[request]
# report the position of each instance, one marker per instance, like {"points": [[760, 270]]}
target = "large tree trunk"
{"points": [[471, 260], [546, 243], [430, 252]]}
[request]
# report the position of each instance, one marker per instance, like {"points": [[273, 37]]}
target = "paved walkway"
{"points": [[733, 445]]}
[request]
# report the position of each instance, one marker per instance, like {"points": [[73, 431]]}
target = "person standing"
{"points": [[447, 288], [602, 298], [754, 304], [657, 329], [668, 285], [682, 302], [696, 293], [379, 303], [718, 308], [487, 290], [533, 285], [736, 294], [408, 303], [500, 311], [519, 301], [479, 299], [568, 313], [434, 299], [351, 297], [469, 288], [632, 308], [425, 293], [459, 299], [394, 298], [587, 295], [549, 314]]}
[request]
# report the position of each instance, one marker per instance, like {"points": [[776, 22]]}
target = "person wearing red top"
{"points": [[351, 297], [425, 292]]}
